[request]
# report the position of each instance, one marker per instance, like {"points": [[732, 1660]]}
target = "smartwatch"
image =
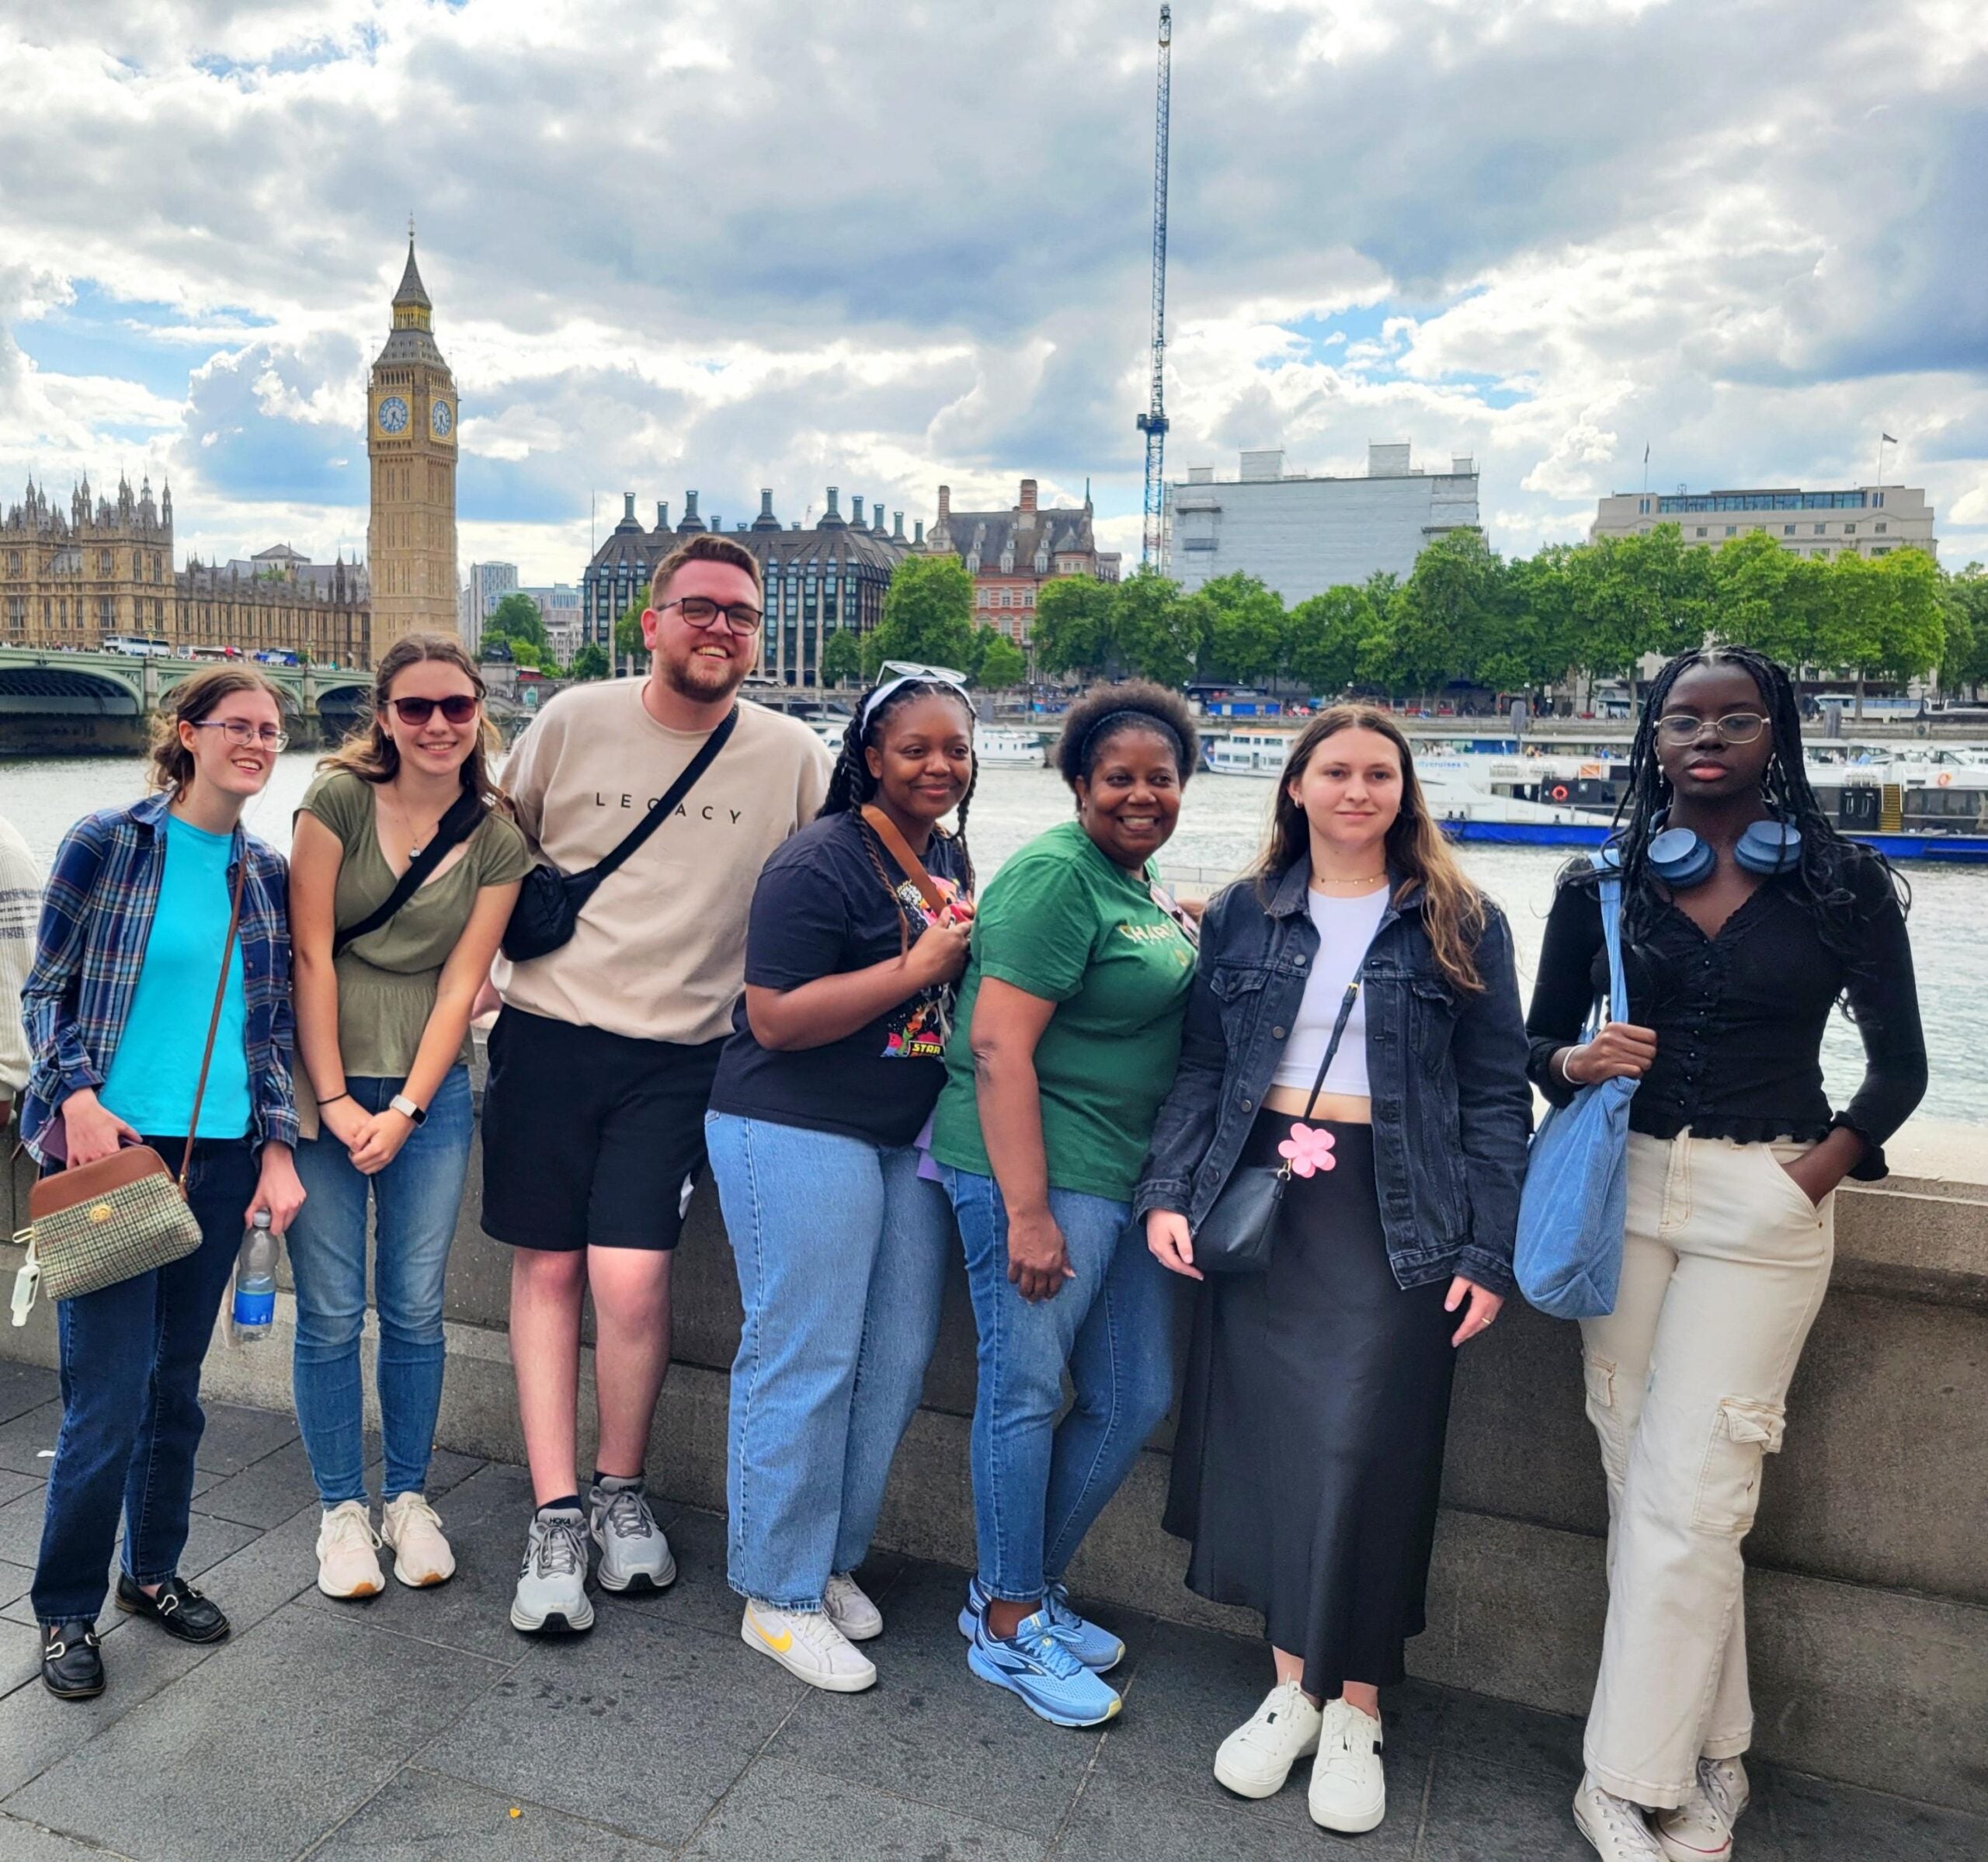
{"points": [[408, 1109]]}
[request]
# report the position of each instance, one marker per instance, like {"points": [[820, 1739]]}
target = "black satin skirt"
{"points": [[1309, 1455]]}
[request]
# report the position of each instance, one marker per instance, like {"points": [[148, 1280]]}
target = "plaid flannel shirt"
{"points": [[95, 917]]}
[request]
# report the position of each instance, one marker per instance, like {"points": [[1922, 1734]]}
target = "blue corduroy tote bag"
{"points": [[1567, 1259]]}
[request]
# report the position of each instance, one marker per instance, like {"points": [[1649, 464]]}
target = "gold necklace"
{"points": [[1366, 879]]}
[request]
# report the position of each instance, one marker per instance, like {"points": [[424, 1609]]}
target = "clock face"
{"points": [[441, 419], [393, 414]]}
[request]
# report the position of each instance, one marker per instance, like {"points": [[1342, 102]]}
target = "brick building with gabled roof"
{"points": [[1010, 554]]}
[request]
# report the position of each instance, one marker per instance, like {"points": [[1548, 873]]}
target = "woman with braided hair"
{"points": [[858, 932], [1746, 919]]}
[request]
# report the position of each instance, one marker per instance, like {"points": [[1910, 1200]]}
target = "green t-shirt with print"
{"points": [[1061, 921]]}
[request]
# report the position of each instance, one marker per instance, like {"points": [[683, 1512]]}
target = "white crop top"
{"points": [[1345, 927]]}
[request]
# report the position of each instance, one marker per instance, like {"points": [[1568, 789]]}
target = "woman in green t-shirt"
{"points": [[1065, 1040], [382, 1082]]}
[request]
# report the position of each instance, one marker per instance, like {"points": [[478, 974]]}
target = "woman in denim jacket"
{"points": [[1310, 1449]]}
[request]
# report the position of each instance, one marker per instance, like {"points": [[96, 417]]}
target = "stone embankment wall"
{"points": [[1868, 1601]]}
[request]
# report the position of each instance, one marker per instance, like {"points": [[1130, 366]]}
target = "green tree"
{"points": [[524, 653], [1247, 629], [1325, 637], [928, 613], [1074, 625], [1882, 615], [629, 651], [1156, 631], [1001, 665], [1761, 598], [590, 662], [841, 657], [1964, 665], [1441, 618], [516, 617]]}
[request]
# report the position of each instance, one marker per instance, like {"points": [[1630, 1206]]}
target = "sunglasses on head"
{"points": [[458, 708]]}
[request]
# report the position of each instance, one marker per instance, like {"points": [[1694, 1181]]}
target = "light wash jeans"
{"points": [[841, 1250], [417, 1198], [1724, 1263], [1039, 1485]]}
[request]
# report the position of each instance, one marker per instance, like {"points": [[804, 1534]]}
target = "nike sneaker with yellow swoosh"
{"points": [[808, 1646]]}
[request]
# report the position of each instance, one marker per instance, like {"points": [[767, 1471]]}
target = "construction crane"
{"points": [[1153, 422]]}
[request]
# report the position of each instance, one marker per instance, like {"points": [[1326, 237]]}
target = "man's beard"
{"points": [[702, 680]]}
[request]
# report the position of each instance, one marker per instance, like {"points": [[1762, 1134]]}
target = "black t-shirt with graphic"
{"points": [[821, 909]]}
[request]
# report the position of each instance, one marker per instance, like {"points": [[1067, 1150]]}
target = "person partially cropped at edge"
{"points": [[127, 964], [1067, 1036], [840, 1239], [602, 1060], [1768, 918], [383, 1086], [1309, 1460]]}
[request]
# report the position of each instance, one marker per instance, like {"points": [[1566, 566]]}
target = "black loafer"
{"points": [[71, 1669], [178, 1608]]}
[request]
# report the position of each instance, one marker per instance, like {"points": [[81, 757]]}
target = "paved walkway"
{"points": [[419, 1728]]}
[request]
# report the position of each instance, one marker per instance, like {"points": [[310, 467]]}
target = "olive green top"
{"points": [[388, 979]]}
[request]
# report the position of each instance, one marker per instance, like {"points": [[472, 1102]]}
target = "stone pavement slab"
{"points": [[423, 1817]]}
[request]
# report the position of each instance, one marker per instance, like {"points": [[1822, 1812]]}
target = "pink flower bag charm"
{"points": [[1307, 1151]]}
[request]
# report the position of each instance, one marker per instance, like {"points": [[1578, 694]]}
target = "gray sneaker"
{"points": [[634, 1556], [551, 1597]]}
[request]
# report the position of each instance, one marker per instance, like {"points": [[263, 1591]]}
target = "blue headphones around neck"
{"points": [[1678, 857]]}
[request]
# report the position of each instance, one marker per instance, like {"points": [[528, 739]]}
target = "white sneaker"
{"points": [[1256, 1758], [1699, 1829], [634, 1556], [1619, 1830], [552, 1595], [806, 1644], [1349, 1791], [422, 1556], [849, 1607], [346, 1565]]}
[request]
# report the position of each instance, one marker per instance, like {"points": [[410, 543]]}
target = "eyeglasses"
{"points": [[741, 617], [246, 736], [1734, 728], [458, 708]]}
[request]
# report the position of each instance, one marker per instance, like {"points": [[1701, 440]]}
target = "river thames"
{"points": [[1221, 823]]}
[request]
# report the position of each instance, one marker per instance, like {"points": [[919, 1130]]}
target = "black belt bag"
{"points": [[1237, 1234], [549, 902]]}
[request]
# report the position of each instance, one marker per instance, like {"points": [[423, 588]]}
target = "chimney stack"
{"points": [[663, 514], [627, 507], [856, 513], [945, 502], [1028, 497], [765, 501], [918, 536], [835, 491], [691, 520], [897, 526]]}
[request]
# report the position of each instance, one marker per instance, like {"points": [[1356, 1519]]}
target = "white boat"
{"points": [[997, 748]]}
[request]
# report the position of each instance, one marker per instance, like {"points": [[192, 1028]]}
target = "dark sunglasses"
{"points": [[458, 708]]}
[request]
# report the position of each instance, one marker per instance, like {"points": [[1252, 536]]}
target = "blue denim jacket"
{"points": [[1452, 1108]]}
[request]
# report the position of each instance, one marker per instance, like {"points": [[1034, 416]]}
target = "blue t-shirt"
{"points": [[150, 1085]]}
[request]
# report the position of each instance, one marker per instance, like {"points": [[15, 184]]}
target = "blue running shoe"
{"points": [[1037, 1664], [1091, 1643]]}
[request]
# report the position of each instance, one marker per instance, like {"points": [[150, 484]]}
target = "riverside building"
{"points": [[1301, 534], [1872, 520], [1011, 554]]}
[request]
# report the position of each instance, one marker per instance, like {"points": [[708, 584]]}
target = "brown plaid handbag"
{"points": [[100, 1223]]}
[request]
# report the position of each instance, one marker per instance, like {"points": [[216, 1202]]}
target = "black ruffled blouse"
{"points": [[1739, 1018]]}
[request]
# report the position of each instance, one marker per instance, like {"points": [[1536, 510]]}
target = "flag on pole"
{"points": [[1646, 451], [1889, 439]]}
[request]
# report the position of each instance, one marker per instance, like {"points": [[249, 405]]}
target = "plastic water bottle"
{"points": [[256, 1281]]}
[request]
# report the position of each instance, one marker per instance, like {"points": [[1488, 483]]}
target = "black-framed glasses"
{"points": [[1734, 728], [700, 611], [458, 708], [243, 735]]}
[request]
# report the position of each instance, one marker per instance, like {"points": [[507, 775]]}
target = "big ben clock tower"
{"points": [[410, 446]]}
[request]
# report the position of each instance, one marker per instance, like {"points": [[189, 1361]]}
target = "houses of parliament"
{"points": [[74, 573]]}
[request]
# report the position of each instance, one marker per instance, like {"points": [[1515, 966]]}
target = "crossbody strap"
{"points": [[908, 863], [1609, 898], [707, 755], [464, 817], [213, 1020], [1332, 1046]]}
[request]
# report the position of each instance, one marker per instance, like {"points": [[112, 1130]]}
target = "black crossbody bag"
{"points": [[1237, 1234], [464, 817], [549, 902]]}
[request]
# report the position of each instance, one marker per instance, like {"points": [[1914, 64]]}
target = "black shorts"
{"points": [[590, 1139]]}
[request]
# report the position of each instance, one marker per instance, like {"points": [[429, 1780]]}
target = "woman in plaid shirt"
{"points": [[117, 1007]]}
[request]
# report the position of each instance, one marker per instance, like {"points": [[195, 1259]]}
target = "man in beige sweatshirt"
{"points": [[601, 1062]]}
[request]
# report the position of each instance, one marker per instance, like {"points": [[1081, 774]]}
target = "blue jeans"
{"points": [[841, 1249], [417, 1197], [1039, 1485], [131, 1416]]}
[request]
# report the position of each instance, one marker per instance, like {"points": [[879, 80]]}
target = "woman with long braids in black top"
{"points": [[1746, 918], [858, 932]]}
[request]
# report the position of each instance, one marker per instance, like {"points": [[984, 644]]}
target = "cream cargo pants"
{"points": [[1724, 1262]]}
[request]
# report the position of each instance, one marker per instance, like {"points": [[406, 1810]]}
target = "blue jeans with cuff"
{"points": [[131, 1415], [416, 1199], [1039, 1484], [841, 1249]]}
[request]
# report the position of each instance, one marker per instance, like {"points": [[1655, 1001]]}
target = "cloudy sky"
{"points": [[679, 243]]}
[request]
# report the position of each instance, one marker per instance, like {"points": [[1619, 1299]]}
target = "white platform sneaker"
{"points": [[1255, 1760], [1349, 1790], [1699, 1829], [1619, 1830]]}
